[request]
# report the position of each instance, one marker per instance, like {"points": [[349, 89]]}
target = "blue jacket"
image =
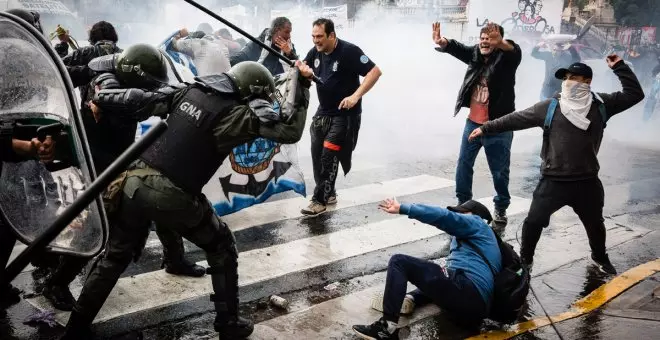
{"points": [[462, 256]]}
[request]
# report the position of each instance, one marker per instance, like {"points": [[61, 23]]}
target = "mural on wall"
{"points": [[526, 18]]}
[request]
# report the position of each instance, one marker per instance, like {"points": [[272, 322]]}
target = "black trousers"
{"points": [[587, 199], [328, 134]]}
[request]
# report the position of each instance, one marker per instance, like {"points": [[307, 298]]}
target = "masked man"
{"points": [[207, 119], [573, 124]]}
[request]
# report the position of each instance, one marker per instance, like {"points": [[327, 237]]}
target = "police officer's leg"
{"points": [[56, 288], [9, 294], [215, 238], [174, 260], [129, 228]]}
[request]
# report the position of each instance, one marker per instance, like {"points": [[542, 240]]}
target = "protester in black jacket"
{"points": [[103, 39], [570, 152], [488, 91], [279, 38]]}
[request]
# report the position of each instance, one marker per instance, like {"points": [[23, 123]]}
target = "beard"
{"points": [[485, 49]]}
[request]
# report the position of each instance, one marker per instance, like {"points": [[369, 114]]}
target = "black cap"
{"points": [[579, 69], [473, 207]]}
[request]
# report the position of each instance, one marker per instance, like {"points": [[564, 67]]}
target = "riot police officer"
{"points": [[206, 119], [108, 137]]}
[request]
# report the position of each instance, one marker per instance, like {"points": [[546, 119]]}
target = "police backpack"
{"points": [[511, 284]]}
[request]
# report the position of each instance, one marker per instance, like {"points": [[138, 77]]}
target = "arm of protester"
{"points": [[630, 95], [531, 117], [366, 68], [250, 52], [537, 54], [455, 224], [451, 46]]}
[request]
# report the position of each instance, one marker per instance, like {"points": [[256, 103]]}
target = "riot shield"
{"points": [[37, 98]]}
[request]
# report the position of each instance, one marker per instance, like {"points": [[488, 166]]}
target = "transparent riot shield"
{"points": [[37, 98]]}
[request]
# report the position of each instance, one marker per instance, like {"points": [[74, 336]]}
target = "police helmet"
{"points": [[142, 65], [32, 18], [253, 80]]}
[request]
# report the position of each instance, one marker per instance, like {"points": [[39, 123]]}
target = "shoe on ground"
{"points": [[375, 331], [500, 217], [332, 200], [603, 264], [407, 307], [313, 209], [60, 297], [235, 328], [184, 268], [9, 296]]}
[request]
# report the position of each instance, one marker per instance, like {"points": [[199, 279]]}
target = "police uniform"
{"points": [[206, 121]]}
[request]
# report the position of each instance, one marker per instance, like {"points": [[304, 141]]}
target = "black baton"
{"points": [[247, 35]]}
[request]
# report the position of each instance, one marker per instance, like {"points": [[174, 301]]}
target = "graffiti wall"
{"points": [[520, 18]]}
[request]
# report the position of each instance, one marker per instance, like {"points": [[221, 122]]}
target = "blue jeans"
{"points": [[498, 155]]}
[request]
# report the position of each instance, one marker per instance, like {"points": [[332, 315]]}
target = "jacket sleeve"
{"points": [[458, 50], [80, 75], [537, 54], [290, 130], [531, 117], [250, 52], [455, 224], [514, 57], [137, 104], [79, 57], [62, 49], [186, 46], [629, 96]]}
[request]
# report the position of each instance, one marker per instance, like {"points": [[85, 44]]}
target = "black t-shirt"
{"points": [[340, 71]]}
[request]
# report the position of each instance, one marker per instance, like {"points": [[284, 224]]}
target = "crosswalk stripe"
{"points": [[290, 208], [334, 318]]}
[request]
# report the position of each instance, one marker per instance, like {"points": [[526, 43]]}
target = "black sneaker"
{"points": [[375, 331], [603, 264], [500, 217], [60, 297]]}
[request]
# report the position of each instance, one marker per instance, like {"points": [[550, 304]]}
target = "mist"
{"points": [[409, 114]]}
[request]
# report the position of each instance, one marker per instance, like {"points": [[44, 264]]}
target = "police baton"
{"points": [[82, 202], [247, 35]]}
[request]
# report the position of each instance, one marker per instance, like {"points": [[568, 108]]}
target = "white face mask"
{"points": [[575, 102], [575, 90]]}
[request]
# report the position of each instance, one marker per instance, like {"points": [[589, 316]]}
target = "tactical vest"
{"points": [[187, 153]]}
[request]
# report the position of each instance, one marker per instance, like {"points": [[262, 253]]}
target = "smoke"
{"points": [[409, 114]]}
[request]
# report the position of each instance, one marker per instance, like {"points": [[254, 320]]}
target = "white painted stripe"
{"points": [[18, 248], [290, 208], [136, 293], [334, 318], [518, 205]]}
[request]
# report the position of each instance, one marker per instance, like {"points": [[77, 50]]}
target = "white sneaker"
{"points": [[407, 307], [313, 209]]}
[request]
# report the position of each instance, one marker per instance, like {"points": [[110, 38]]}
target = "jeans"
{"points": [[450, 289], [498, 154]]}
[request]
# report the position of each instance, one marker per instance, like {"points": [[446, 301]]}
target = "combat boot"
{"points": [[183, 267], [59, 296], [232, 327]]}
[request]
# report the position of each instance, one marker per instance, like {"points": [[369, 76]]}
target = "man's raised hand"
{"points": [[437, 36]]}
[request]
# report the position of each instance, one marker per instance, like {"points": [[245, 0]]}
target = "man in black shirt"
{"points": [[335, 126]]}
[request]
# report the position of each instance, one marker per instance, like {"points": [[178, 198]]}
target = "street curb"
{"points": [[596, 299]]}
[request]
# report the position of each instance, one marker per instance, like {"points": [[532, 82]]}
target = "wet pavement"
{"points": [[632, 184]]}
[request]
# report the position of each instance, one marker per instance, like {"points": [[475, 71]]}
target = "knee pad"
{"points": [[223, 239]]}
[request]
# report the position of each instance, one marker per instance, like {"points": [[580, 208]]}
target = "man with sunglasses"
{"points": [[573, 122], [206, 120]]}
